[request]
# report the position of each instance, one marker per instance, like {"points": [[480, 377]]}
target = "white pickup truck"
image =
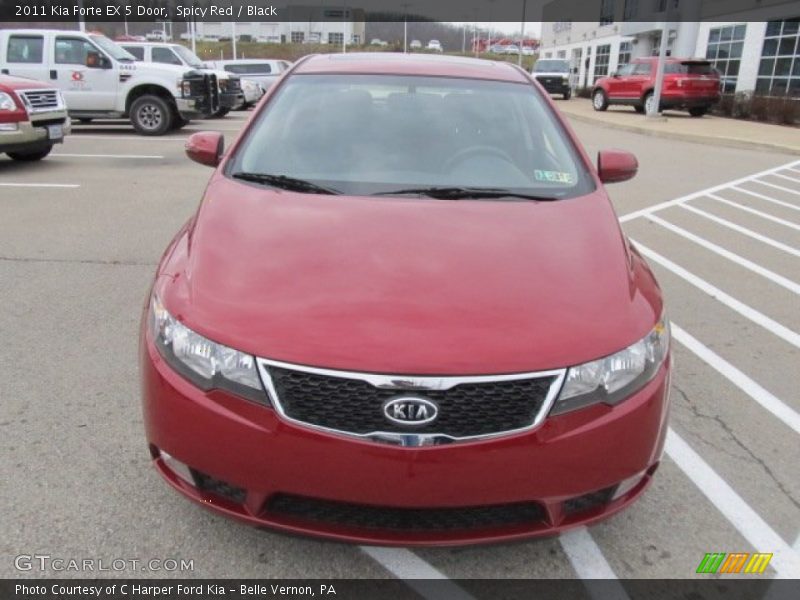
{"points": [[229, 85], [100, 80]]}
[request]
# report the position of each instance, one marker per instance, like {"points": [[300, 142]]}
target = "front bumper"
{"points": [[554, 85], [231, 100], [568, 468], [33, 134]]}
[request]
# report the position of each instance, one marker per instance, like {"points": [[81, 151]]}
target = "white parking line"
{"points": [[794, 179], [716, 188], [134, 138], [767, 198], [731, 256], [755, 212], [785, 560], [743, 230], [588, 561], [765, 399], [743, 309], [41, 185], [156, 156], [777, 187], [406, 565]]}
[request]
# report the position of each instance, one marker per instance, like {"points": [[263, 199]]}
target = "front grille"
{"points": [[356, 406], [364, 516], [41, 99]]}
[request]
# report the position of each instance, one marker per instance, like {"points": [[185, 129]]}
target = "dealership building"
{"points": [[751, 54], [303, 24]]}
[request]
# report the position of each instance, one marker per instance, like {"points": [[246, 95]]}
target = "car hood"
{"points": [[550, 74], [9, 82], [408, 286]]}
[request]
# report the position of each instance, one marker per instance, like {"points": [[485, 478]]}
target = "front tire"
{"points": [[151, 115], [698, 111], [220, 113], [31, 156], [599, 100], [639, 108], [567, 94]]}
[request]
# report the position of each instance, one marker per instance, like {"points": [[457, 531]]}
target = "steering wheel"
{"points": [[471, 151]]}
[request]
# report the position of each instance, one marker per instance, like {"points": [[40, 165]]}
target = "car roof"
{"points": [[390, 63], [249, 61]]}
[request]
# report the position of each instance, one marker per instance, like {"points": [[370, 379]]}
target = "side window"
{"points": [[165, 55], [72, 51], [642, 69], [25, 49], [137, 51]]}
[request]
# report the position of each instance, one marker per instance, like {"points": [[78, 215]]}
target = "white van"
{"points": [[100, 80]]}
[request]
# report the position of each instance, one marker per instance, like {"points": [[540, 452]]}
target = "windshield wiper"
{"points": [[285, 183], [466, 193]]}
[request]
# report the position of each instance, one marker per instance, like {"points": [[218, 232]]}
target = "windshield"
{"points": [[551, 66], [116, 52], [373, 134], [690, 68], [188, 57]]}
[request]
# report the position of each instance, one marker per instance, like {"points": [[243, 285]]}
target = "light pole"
{"points": [[233, 38], [522, 31], [652, 111], [405, 27]]}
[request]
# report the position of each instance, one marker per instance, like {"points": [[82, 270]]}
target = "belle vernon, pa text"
{"points": [[211, 590]]}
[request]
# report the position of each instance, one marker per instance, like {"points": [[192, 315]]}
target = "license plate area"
{"points": [[55, 132]]}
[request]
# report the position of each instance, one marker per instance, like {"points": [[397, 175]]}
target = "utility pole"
{"points": [[522, 31], [81, 22], [233, 38], [405, 27], [654, 113]]}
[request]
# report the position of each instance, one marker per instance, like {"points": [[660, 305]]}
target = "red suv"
{"points": [[691, 84], [405, 313]]}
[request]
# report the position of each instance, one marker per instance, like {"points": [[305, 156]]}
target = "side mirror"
{"points": [[614, 74], [614, 166], [206, 148]]}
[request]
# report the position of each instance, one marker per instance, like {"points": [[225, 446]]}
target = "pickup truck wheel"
{"points": [[698, 111], [567, 94], [150, 115], [179, 122], [31, 156], [599, 100], [220, 113]]}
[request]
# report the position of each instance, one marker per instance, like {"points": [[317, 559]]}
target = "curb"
{"points": [[688, 137]]}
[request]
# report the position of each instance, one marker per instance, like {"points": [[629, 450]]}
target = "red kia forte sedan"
{"points": [[405, 313]]}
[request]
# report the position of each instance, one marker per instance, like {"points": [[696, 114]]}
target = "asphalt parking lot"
{"points": [[80, 235]]}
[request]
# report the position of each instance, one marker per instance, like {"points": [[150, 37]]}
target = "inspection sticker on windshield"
{"points": [[553, 176]]}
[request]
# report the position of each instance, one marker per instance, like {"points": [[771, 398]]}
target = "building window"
{"points": [[725, 52], [779, 71], [631, 10], [356, 39], [601, 58], [625, 51], [606, 12], [298, 37], [335, 38], [548, 55], [562, 54]]}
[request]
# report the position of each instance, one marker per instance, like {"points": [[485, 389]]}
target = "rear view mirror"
{"points": [[614, 166], [206, 148]]}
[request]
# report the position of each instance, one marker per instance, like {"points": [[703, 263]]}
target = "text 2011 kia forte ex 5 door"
{"points": [[404, 313]]}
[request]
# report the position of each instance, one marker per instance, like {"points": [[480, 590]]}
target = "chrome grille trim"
{"points": [[44, 100], [411, 383]]}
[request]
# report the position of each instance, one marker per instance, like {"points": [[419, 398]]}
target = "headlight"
{"points": [[184, 87], [205, 363], [223, 85], [7, 102], [611, 379], [565, 78]]}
